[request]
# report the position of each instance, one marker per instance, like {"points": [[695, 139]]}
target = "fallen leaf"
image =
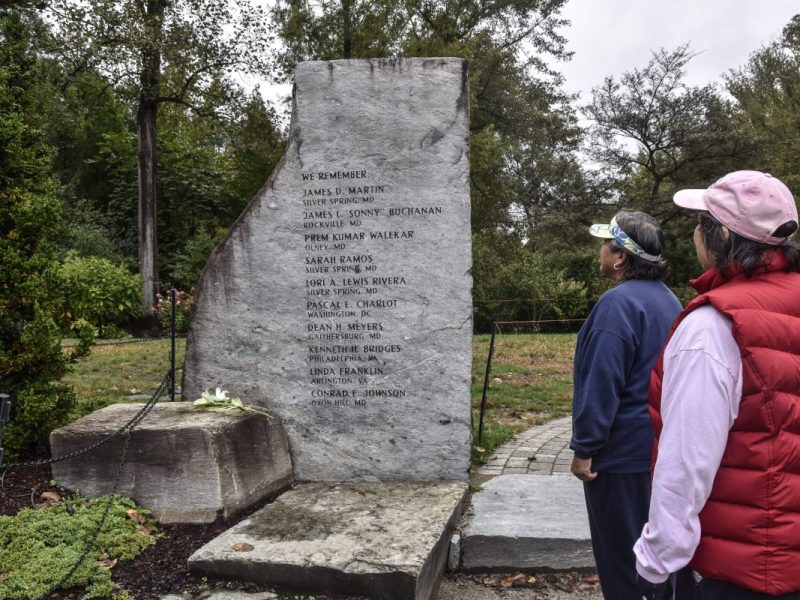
{"points": [[135, 515], [51, 497], [479, 449], [145, 529], [563, 587], [107, 562], [516, 580], [243, 547]]}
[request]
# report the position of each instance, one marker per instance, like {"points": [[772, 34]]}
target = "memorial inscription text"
{"points": [[349, 219]]}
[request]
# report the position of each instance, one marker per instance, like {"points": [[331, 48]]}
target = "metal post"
{"points": [[5, 415], [486, 380], [172, 349]]}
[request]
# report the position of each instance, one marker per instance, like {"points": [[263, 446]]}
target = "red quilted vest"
{"points": [[751, 522]]}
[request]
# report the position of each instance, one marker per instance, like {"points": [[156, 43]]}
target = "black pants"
{"points": [[712, 589], [618, 504]]}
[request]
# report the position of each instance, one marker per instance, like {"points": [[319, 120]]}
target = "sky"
{"points": [[610, 37]]}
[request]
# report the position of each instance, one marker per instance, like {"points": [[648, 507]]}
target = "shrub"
{"points": [[89, 240], [31, 370], [31, 358], [39, 547], [190, 261], [528, 288], [184, 302], [99, 292]]}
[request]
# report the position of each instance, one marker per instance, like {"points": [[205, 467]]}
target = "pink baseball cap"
{"points": [[750, 203]]}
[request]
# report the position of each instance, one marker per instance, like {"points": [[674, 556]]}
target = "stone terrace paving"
{"points": [[542, 450], [529, 512]]}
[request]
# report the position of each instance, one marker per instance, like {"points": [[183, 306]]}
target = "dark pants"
{"points": [[712, 589], [618, 504]]}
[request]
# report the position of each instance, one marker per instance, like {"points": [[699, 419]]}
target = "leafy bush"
{"points": [[190, 261], [99, 292], [184, 301], [31, 373], [89, 240], [31, 359], [39, 547], [527, 288]]}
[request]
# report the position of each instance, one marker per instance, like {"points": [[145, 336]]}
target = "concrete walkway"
{"points": [[542, 450]]}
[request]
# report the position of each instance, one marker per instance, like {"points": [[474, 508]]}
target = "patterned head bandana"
{"points": [[612, 231]]}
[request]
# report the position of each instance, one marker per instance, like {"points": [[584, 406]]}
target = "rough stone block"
{"points": [[383, 540], [186, 466], [454, 556], [527, 522]]}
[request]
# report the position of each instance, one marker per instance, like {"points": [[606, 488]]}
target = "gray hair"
{"points": [[645, 231]]}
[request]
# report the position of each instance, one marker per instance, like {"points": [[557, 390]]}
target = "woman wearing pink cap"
{"points": [[725, 403]]}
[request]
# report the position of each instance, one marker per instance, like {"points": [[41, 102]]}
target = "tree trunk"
{"points": [[146, 118], [347, 28], [148, 231]]}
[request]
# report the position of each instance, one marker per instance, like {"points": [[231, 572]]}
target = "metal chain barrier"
{"points": [[126, 429], [99, 527], [135, 420]]}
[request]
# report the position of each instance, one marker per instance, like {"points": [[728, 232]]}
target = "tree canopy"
{"points": [[150, 146], [154, 52]]}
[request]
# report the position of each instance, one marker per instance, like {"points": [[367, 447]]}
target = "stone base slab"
{"points": [[527, 523], [185, 465], [382, 540]]}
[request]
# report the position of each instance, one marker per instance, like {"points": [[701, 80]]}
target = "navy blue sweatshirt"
{"points": [[617, 348]]}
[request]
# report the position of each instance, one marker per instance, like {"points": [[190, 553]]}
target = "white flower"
{"points": [[220, 402]]}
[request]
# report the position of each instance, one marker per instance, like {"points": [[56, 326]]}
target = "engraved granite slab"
{"points": [[341, 300]]}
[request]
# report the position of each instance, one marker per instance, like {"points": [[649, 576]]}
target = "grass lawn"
{"points": [[530, 384], [531, 380], [113, 372]]}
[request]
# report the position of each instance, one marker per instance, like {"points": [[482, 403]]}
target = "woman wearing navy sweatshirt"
{"points": [[612, 437]]}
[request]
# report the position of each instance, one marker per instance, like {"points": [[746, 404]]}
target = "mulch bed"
{"points": [[156, 572], [161, 569]]}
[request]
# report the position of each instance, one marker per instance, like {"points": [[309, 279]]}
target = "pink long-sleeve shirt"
{"points": [[700, 396]]}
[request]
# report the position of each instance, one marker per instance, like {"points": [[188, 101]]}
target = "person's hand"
{"points": [[582, 469], [652, 591]]}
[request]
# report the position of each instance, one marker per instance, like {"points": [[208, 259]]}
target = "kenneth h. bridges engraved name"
{"points": [[354, 349]]}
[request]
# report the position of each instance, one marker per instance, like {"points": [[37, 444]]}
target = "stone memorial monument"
{"points": [[341, 302]]}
